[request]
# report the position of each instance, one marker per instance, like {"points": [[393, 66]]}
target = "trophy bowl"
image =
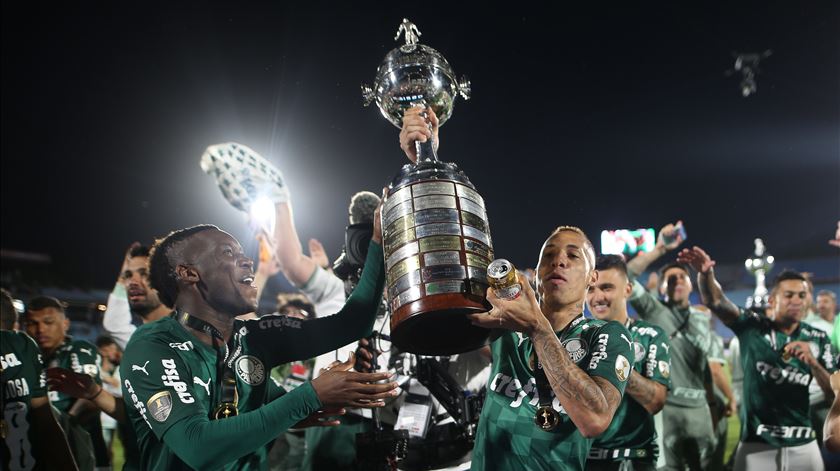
{"points": [[435, 232]]}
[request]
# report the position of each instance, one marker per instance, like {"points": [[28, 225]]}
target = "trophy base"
{"points": [[438, 325]]}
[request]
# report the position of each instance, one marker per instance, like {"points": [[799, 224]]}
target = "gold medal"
{"points": [[547, 418], [225, 410]]}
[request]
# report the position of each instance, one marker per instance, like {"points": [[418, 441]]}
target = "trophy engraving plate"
{"points": [[437, 229], [449, 257], [434, 201], [444, 272], [476, 234], [397, 239], [476, 273], [473, 207], [402, 224], [469, 193], [413, 294], [433, 188], [396, 198], [473, 220], [405, 282], [474, 260], [441, 287], [401, 253], [428, 216], [401, 268], [399, 210], [440, 243], [478, 247]]}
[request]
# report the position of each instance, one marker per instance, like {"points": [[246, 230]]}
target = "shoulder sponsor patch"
{"points": [[160, 406], [576, 348], [250, 370], [622, 368]]}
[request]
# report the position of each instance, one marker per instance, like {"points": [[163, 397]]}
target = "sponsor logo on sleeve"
{"points": [[136, 401], [622, 368], [86, 350], [183, 346], [160, 406], [600, 352], [172, 379], [251, 370], [279, 322]]}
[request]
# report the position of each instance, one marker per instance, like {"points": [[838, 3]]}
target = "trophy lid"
{"points": [[415, 75]]}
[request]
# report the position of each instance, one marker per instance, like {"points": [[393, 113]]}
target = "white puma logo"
{"points": [[141, 368], [197, 380], [86, 350], [627, 340]]}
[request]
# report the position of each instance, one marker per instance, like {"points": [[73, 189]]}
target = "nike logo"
{"points": [[141, 368], [197, 380]]}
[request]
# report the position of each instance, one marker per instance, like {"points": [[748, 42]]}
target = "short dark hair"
{"points": [[611, 262], [43, 302], [297, 300], [787, 275], [161, 269], [139, 251], [104, 341], [8, 313], [669, 266]]}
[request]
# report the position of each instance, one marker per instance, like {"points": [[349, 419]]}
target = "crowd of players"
{"points": [[206, 384]]}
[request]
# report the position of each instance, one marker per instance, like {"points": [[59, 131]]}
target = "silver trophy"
{"points": [[436, 236], [759, 265]]}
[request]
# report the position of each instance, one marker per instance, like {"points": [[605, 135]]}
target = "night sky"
{"points": [[602, 117]]}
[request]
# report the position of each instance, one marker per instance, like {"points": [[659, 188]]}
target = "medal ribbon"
{"points": [[225, 378], [546, 417]]}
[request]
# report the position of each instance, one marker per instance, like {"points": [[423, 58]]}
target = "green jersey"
{"points": [[79, 356], [22, 379], [775, 407], [690, 336], [632, 426], [171, 385], [507, 437]]}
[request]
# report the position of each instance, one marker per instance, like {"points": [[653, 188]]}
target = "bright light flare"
{"points": [[262, 214]]}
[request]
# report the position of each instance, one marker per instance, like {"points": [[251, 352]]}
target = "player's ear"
{"points": [[186, 274]]}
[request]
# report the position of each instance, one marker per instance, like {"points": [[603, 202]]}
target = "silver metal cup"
{"points": [[759, 265], [436, 236]]}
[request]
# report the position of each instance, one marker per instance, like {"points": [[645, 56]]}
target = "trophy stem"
{"points": [[426, 150]]}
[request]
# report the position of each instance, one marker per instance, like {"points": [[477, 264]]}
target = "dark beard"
{"points": [[141, 309]]}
